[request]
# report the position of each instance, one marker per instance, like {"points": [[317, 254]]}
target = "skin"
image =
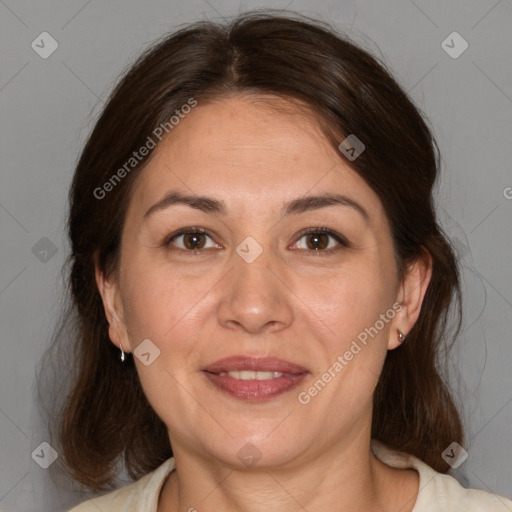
{"points": [[291, 302]]}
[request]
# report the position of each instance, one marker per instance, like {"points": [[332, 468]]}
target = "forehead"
{"points": [[254, 150]]}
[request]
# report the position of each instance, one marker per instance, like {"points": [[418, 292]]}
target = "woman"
{"points": [[261, 284]]}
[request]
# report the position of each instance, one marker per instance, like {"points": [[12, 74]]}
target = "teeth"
{"points": [[250, 375]]}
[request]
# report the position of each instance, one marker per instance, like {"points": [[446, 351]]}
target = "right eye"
{"points": [[192, 239]]}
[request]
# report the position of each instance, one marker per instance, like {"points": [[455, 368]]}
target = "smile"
{"points": [[250, 375], [252, 378]]}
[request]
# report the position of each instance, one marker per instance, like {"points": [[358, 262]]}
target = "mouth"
{"points": [[250, 375], [254, 379]]}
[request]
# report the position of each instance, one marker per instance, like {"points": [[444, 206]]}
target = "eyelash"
{"points": [[344, 243]]}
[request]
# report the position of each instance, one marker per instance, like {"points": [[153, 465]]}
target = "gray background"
{"points": [[48, 106]]}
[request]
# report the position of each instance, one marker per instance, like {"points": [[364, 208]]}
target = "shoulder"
{"points": [[139, 496], [439, 492], [448, 494]]}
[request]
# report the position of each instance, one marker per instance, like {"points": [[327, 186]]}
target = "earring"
{"points": [[120, 344], [401, 336]]}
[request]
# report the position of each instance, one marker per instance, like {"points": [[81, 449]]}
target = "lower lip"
{"points": [[255, 390]]}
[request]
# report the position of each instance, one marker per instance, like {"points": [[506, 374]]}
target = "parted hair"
{"points": [[105, 421]]}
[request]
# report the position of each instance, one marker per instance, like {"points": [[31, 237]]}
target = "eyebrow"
{"points": [[294, 207]]}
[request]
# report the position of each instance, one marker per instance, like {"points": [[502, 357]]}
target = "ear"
{"points": [[410, 296], [108, 288]]}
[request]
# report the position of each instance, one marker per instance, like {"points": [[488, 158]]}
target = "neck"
{"points": [[347, 477]]}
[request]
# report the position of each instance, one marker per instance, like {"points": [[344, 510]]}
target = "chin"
{"points": [[264, 448]]}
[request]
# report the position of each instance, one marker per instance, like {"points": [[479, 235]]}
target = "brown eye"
{"points": [[317, 241], [190, 239], [322, 240], [194, 240]]}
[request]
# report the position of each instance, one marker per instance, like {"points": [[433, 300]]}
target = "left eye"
{"points": [[317, 239]]}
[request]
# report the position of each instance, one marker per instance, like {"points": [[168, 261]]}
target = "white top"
{"points": [[438, 492]]}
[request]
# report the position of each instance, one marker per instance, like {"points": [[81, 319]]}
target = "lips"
{"points": [[254, 379], [255, 364]]}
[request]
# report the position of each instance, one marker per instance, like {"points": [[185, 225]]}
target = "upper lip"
{"points": [[257, 364]]}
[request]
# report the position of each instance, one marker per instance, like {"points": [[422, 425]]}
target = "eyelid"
{"points": [[185, 231], [342, 241]]}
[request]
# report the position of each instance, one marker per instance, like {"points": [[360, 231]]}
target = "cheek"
{"points": [[163, 308], [345, 315], [346, 301], [157, 298]]}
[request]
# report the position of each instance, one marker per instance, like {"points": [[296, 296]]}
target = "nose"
{"points": [[256, 297]]}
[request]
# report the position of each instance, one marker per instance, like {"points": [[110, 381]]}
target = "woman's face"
{"points": [[257, 288]]}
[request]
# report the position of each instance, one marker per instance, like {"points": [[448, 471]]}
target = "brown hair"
{"points": [[106, 418]]}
